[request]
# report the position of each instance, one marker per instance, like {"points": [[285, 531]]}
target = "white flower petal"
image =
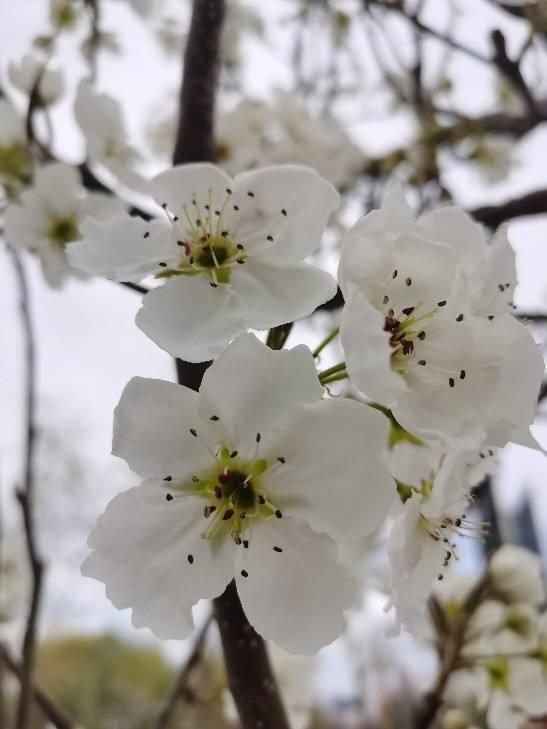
{"points": [[367, 252], [398, 213], [118, 249], [152, 425], [178, 186], [55, 266], [151, 557], [101, 206], [295, 597], [367, 350], [279, 294], [24, 224], [503, 714], [190, 319], [497, 277], [513, 407], [334, 476], [252, 389], [452, 226], [306, 199], [58, 185], [528, 685]]}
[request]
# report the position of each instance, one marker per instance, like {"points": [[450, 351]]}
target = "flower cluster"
{"points": [[428, 334], [263, 476], [502, 675], [255, 134]]}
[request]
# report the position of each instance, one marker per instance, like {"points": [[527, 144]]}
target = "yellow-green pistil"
{"points": [[62, 230], [206, 247], [233, 492]]}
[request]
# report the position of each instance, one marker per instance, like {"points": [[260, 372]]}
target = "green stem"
{"points": [[334, 378], [320, 347], [341, 366]]}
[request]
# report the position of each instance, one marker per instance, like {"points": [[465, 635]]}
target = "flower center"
{"points": [[207, 246], [233, 493], [404, 329], [14, 162], [62, 230]]}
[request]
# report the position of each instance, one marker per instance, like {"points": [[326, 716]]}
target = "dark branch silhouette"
{"points": [[25, 496]]}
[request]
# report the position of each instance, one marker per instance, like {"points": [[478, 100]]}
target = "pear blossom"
{"points": [[240, 138], [426, 331], [509, 689], [24, 74], [230, 254], [15, 163], [516, 575], [255, 478], [320, 142], [435, 494], [49, 215], [99, 116]]}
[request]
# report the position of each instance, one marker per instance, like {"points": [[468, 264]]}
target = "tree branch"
{"points": [[25, 496], [533, 203], [450, 647], [511, 70], [55, 714], [180, 688], [250, 675], [249, 672]]}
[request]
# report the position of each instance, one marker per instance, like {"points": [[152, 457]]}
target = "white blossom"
{"points": [[49, 215], [508, 689], [516, 575], [229, 254], [100, 118], [255, 477], [424, 329], [24, 74], [434, 490], [320, 142]]}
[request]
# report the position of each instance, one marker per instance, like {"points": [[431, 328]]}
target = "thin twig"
{"points": [[180, 689], [25, 496], [450, 649], [55, 714]]}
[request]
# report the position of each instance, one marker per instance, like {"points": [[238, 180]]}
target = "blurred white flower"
{"points": [[508, 689], [24, 74], [516, 575], [320, 142], [240, 136], [230, 253], [49, 215], [15, 163], [100, 118], [240, 484], [241, 21]]}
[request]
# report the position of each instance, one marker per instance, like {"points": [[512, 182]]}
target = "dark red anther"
{"points": [[228, 514], [390, 324], [224, 478], [408, 346], [218, 492]]}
